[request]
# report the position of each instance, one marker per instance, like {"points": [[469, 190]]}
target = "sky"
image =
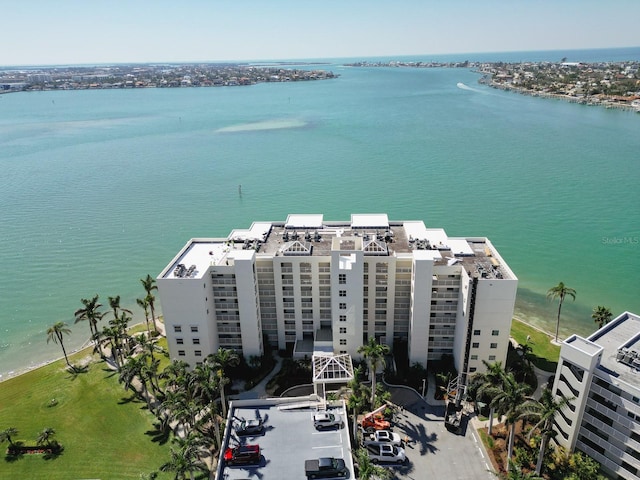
{"points": [[48, 32]]}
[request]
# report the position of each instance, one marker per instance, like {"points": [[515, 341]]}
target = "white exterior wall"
{"points": [[493, 313], [349, 263], [422, 280], [277, 280], [573, 351], [248, 307], [186, 303], [464, 304]]}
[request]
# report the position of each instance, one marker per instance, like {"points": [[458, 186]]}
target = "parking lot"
{"points": [[432, 451], [289, 438]]}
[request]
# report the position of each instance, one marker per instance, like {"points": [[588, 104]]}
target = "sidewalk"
{"points": [[260, 390]]}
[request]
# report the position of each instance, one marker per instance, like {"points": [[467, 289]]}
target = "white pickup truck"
{"points": [[386, 453], [381, 437]]}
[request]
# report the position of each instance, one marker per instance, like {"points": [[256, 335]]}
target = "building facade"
{"points": [[601, 374], [307, 285]]}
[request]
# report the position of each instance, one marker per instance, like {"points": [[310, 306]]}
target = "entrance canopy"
{"points": [[330, 368]]}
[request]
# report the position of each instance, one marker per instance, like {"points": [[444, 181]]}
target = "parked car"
{"points": [[381, 437], [326, 467], [242, 455], [386, 453], [327, 420], [249, 427]]}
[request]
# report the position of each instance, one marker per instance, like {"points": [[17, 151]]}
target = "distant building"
{"points": [[310, 285], [602, 375]]}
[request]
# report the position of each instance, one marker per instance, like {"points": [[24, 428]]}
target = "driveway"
{"points": [[432, 451]]}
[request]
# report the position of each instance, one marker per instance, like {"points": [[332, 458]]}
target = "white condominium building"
{"points": [[602, 375], [308, 285]]}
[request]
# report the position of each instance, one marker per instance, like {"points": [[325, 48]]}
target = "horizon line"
{"points": [[294, 60]]}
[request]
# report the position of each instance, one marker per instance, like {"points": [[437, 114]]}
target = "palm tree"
{"points": [[207, 392], [174, 373], [367, 470], [129, 371], [148, 345], [55, 333], [491, 383], [545, 411], [514, 472], [523, 367], [144, 304], [219, 361], [111, 336], [149, 285], [7, 433], [184, 461], [560, 291], [357, 399], [511, 400], [374, 353], [150, 372], [601, 315], [45, 436], [114, 303], [91, 314], [121, 339]]}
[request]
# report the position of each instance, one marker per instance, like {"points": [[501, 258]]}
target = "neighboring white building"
{"points": [[602, 375], [312, 285]]}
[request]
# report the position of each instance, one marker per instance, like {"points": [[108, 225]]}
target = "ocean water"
{"points": [[100, 188]]}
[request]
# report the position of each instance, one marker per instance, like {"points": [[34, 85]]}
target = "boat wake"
{"points": [[462, 86], [264, 125]]}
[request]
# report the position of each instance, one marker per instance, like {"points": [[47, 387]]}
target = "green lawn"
{"points": [[547, 353], [106, 433]]}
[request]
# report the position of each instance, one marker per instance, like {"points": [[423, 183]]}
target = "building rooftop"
{"points": [[619, 339], [310, 235]]}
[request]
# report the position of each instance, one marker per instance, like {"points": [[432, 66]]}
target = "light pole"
{"points": [[424, 382]]}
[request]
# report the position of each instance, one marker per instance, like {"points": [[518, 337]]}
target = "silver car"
{"points": [[327, 420], [249, 427]]}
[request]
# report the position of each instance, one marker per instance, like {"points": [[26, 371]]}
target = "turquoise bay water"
{"points": [[99, 188]]}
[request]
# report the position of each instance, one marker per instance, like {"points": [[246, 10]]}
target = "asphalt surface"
{"points": [[432, 451]]}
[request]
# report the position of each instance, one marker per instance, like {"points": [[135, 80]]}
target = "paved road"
{"points": [[434, 452]]}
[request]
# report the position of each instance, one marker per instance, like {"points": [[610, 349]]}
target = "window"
{"points": [[474, 357], [198, 353], [476, 332], [194, 328], [493, 345], [472, 369], [179, 341], [177, 328], [343, 341], [342, 352], [181, 353], [492, 358], [475, 345], [342, 278], [495, 333], [343, 329], [343, 318], [343, 306], [342, 293], [196, 341]]}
